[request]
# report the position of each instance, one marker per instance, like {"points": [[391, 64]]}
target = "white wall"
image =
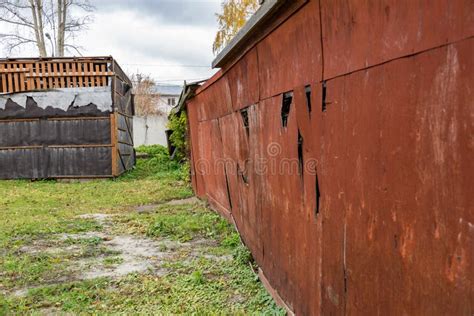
{"points": [[150, 130]]}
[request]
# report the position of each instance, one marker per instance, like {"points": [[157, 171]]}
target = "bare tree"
{"points": [[32, 22], [146, 99]]}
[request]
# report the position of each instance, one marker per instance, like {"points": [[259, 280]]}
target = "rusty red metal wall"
{"points": [[359, 199]]}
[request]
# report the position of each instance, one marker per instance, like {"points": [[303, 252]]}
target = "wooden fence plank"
{"points": [[68, 77], [15, 78], [22, 77], [10, 80], [80, 72], [4, 78], [97, 75], [91, 72], [50, 79], [30, 81], [55, 71], [37, 71], [104, 78], [74, 74]]}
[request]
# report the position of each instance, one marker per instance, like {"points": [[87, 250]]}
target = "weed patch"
{"points": [[82, 248]]}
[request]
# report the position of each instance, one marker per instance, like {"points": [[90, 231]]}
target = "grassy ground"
{"points": [[117, 246]]}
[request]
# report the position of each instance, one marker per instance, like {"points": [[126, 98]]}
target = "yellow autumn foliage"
{"points": [[235, 14]]}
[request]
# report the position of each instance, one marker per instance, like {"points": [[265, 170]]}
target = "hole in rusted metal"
{"points": [[300, 153], [228, 189], [245, 119], [324, 97], [285, 108], [308, 97], [244, 178], [241, 173], [318, 197]]}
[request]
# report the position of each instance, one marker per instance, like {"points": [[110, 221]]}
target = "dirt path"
{"points": [[105, 253]]}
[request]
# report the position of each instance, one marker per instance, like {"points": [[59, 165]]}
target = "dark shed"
{"points": [[65, 118]]}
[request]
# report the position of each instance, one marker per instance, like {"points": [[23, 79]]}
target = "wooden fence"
{"points": [[28, 75]]}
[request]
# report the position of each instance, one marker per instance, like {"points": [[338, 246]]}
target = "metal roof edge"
{"points": [[55, 58], [188, 92]]}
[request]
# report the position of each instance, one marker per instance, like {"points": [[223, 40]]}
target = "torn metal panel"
{"points": [[64, 98], [355, 182], [289, 233], [211, 162], [240, 164], [289, 57]]}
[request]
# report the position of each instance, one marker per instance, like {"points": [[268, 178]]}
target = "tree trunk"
{"points": [[37, 12], [62, 11], [39, 8]]}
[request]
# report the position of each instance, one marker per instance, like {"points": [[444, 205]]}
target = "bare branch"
{"points": [[13, 41], [5, 20], [45, 17], [6, 36], [14, 11], [75, 48]]}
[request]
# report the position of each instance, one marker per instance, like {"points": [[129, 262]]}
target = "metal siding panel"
{"points": [[212, 163], [407, 197], [243, 78], [359, 34], [21, 163], [72, 162], [291, 55], [216, 102], [240, 166], [194, 135], [393, 158]]}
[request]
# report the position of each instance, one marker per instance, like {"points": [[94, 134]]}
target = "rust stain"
{"points": [[344, 156]]}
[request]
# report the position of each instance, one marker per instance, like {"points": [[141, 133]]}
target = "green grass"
{"points": [[44, 214]]}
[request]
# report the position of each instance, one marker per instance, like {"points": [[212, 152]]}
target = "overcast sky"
{"points": [[171, 40]]}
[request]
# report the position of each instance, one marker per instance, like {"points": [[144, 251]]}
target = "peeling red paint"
{"points": [[359, 200]]}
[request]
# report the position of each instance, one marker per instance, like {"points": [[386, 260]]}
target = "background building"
{"points": [[151, 129]]}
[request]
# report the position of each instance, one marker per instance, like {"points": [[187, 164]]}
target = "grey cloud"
{"points": [[187, 12], [175, 51]]}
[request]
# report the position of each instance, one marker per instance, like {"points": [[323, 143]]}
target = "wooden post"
{"points": [[4, 78], [113, 140]]}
